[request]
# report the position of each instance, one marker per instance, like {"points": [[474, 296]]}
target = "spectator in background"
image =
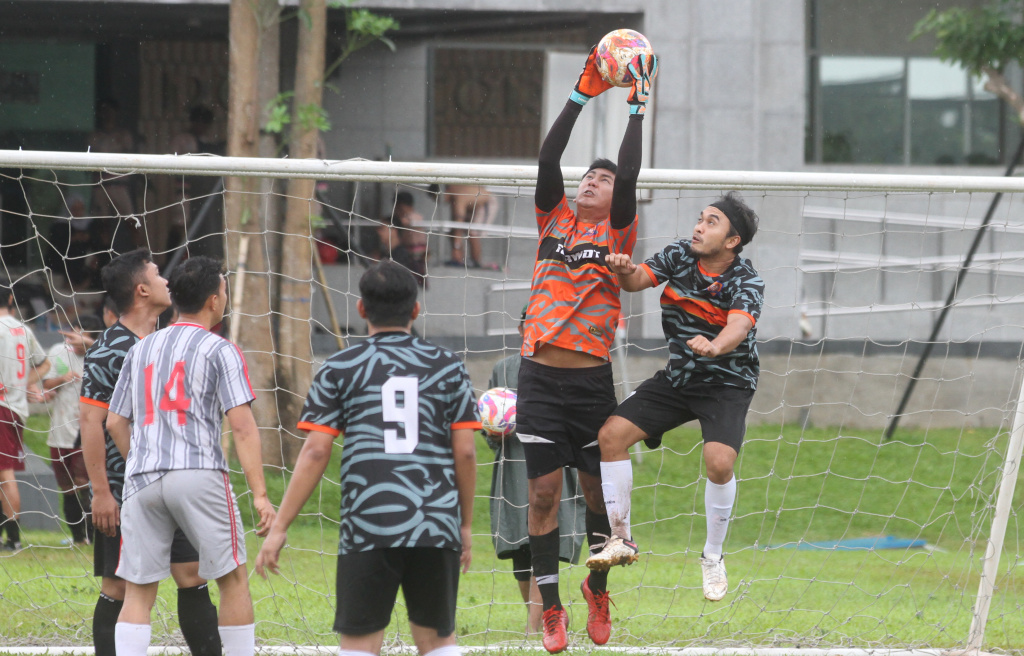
{"points": [[509, 501], [170, 234], [412, 236], [112, 199], [73, 245], [471, 204], [63, 384]]}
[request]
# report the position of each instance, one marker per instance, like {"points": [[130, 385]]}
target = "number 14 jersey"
{"points": [[175, 386], [396, 398]]}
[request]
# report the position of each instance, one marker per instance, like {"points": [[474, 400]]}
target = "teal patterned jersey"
{"points": [[395, 398], [696, 302]]}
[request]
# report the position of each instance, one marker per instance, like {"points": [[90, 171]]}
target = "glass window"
{"points": [[862, 109], [900, 110]]}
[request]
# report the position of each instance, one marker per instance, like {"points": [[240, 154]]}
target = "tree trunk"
{"points": [[295, 367], [254, 66]]}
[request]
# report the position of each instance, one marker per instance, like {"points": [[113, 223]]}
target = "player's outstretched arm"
{"points": [[120, 430], [250, 455], [623, 211], [735, 331], [464, 453], [309, 469], [105, 513], [550, 183], [37, 373], [631, 277]]}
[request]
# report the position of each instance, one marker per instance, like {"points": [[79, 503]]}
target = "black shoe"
{"points": [[12, 546], [653, 442]]}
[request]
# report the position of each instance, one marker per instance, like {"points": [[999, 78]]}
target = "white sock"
{"points": [[718, 500], [447, 650], [132, 639], [617, 486], [238, 640]]}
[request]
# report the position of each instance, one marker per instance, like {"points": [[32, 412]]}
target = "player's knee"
{"points": [[186, 575], [719, 473], [544, 499], [611, 438]]}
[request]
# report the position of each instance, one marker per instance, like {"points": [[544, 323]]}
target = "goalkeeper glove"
{"points": [[590, 83], [644, 69]]}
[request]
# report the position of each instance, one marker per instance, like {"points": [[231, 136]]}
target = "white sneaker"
{"points": [[616, 552], [715, 582]]}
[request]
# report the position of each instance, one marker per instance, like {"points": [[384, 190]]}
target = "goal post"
{"points": [[841, 542]]}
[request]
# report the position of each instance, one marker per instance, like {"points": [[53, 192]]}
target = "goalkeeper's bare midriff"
{"points": [[563, 358]]}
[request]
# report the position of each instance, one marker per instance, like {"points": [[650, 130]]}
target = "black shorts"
{"points": [[368, 582], [558, 414], [106, 554], [656, 406], [522, 563]]}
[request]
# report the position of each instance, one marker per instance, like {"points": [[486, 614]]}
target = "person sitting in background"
{"points": [[471, 204], [509, 501]]}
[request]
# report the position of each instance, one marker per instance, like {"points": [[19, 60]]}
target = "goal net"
{"points": [[844, 538]]}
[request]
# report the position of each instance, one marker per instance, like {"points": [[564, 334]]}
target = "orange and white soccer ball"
{"points": [[615, 51], [498, 411]]}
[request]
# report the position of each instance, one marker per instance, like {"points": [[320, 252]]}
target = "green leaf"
{"points": [[307, 19]]}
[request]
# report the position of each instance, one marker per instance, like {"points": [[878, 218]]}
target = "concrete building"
{"points": [[768, 85]]}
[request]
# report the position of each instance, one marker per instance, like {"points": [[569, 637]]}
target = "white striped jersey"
{"points": [[19, 352], [175, 386], [397, 399]]}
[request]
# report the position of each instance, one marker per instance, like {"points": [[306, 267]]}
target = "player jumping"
{"points": [[565, 382], [709, 309]]}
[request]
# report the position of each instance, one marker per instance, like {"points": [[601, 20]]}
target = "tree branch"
{"points": [[996, 83]]}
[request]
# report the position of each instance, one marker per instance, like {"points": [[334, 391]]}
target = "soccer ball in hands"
{"points": [[498, 411], [615, 51]]}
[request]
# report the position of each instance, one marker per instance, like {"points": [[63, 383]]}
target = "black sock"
{"points": [[544, 556], [598, 531], [104, 624], [197, 617], [3, 524], [13, 531], [73, 516]]}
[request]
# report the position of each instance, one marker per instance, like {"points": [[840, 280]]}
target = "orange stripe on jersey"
{"points": [[650, 274], [753, 321], [467, 424], [702, 309], [98, 404], [311, 427]]}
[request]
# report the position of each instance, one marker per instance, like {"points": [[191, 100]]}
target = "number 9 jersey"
{"points": [[396, 398], [19, 352]]}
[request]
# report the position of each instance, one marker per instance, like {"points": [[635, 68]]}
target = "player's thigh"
{"points": [[203, 506], [147, 528], [540, 420], [655, 406], [588, 397], [106, 556], [722, 411], [367, 586], [430, 585], [60, 461], [12, 447]]}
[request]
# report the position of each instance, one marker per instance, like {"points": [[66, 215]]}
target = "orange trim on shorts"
{"points": [[98, 404], [309, 426], [475, 425]]}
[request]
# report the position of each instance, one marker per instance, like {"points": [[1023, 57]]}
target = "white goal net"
{"points": [[843, 538]]}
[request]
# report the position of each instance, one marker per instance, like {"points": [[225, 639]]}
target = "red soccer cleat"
{"points": [[599, 619], [555, 621]]}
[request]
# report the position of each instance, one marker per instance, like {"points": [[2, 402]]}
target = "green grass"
{"points": [[794, 485]]}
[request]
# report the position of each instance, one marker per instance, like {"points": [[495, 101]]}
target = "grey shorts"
{"points": [[198, 501]]}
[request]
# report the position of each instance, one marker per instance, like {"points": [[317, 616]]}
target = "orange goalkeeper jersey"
{"points": [[574, 298]]}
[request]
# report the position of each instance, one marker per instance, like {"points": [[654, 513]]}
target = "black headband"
{"points": [[732, 212]]}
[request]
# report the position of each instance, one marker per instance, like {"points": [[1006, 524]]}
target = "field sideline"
{"points": [[794, 485]]}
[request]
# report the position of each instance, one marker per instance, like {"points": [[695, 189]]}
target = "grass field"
{"points": [[795, 486]]}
